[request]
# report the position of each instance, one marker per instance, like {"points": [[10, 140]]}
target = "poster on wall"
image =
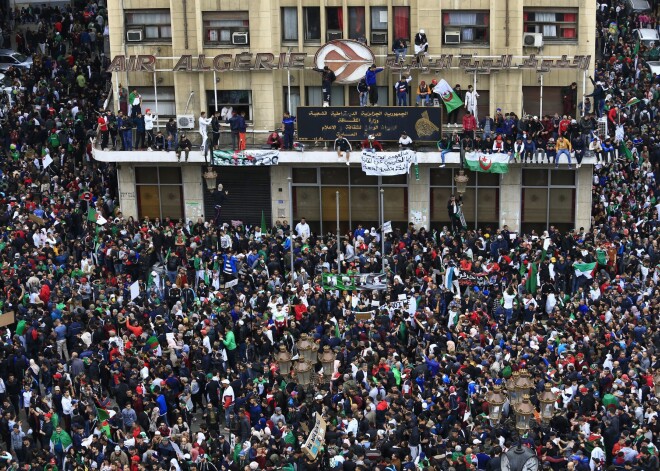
{"points": [[245, 158], [388, 163]]}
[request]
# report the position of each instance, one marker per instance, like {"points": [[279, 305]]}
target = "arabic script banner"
{"points": [[387, 163]]}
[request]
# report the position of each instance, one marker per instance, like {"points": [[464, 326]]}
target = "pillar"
{"points": [[279, 190], [126, 183], [510, 190], [418, 197], [193, 192], [584, 176]]}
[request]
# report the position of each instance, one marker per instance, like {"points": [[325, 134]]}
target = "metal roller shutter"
{"points": [[249, 194]]}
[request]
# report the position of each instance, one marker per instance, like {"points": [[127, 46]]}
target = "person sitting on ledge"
{"points": [[159, 141], [405, 142], [370, 143], [274, 140], [185, 146]]}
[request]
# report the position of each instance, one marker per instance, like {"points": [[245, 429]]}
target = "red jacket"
{"points": [[469, 122]]}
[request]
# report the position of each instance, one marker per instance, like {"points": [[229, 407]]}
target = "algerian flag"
{"points": [[103, 416], [531, 285], [153, 343], [448, 95], [601, 255], [154, 279], [95, 216], [487, 163], [585, 269], [623, 150], [632, 101]]}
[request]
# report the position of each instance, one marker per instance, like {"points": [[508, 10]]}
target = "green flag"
{"points": [[94, 216], [636, 49], [601, 256], [448, 95], [153, 342], [103, 416], [623, 150], [264, 228], [531, 283], [585, 269]]}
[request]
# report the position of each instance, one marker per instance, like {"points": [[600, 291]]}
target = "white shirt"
{"points": [[302, 229], [228, 392], [508, 300], [149, 121], [405, 140], [471, 100], [203, 123], [67, 405]]}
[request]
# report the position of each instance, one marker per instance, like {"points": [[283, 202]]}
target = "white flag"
{"points": [[135, 290]]}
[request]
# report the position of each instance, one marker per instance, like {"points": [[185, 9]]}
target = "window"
{"points": [[289, 24], [357, 28], [334, 19], [156, 24], [295, 100], [481, 201], [226, 28], [315, 198], [401, 22], [555, 25], [166, 100], [548, 198], [159, 192], [472, 26], [314, 96], [239, 100], [312, 24], [379, 19]]}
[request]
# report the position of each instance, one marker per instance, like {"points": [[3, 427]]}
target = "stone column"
{"points": [[510, 195], [193, 192], [127, 197], [583, 177], [419, 197]]}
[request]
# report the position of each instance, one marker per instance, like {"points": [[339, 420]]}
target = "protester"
{"points": [[154, 344]]}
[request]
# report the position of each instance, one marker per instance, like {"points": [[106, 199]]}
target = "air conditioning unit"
{"points": [[185, 121], [533, 40], [379, 37], [134, 35], [452, 37], [239, 38], [333, 34]]}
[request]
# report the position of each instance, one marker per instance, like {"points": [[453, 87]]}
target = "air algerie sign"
{"points": [[347, 58]]}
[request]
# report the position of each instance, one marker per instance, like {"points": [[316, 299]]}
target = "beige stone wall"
{"points": [[265, 35]]}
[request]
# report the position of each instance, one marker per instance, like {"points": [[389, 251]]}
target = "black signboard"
{"points": [[356, 123]]}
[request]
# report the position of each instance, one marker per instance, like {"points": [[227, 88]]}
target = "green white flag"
{"points": [[585, 269], [94, 216], [487, 163], [448, 95]]}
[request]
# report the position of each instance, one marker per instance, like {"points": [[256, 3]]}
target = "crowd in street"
{"points": [[182, 373]]}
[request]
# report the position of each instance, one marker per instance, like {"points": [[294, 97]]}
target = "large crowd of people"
{"points": [[183, 373]]}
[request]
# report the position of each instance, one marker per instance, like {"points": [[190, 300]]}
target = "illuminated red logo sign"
{"points": [[348, 59]]}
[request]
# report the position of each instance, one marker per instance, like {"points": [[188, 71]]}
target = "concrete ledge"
{"points": [[312, 157]]}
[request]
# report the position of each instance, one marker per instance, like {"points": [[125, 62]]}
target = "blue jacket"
{"points": [[370, 76], [288, 123]]}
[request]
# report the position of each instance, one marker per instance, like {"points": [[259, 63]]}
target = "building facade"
{"points": [[220, 41]]}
